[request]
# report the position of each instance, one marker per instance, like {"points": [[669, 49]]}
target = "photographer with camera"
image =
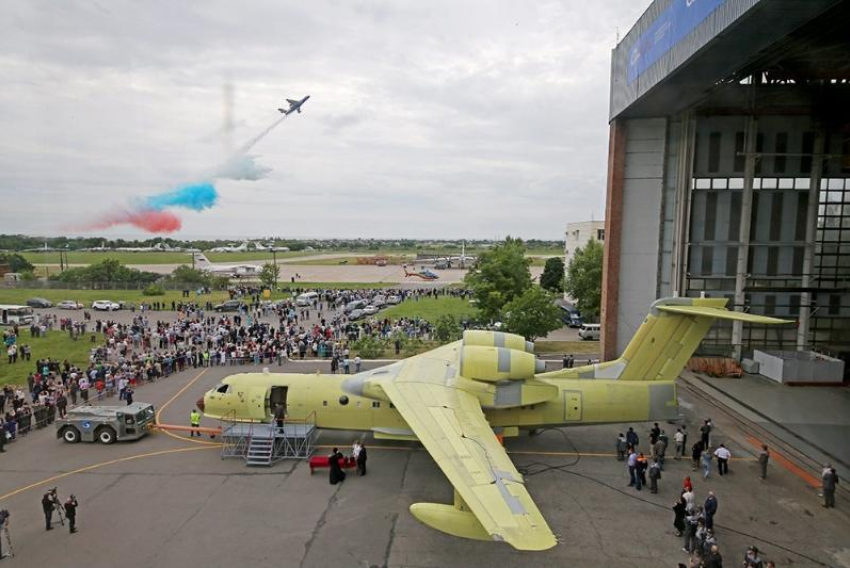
{"points": [[49, 502]]}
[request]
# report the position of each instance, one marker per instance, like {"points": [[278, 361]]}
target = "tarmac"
{"points": [[167, 500]]}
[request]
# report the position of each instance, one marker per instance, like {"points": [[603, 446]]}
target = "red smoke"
{"points": [[146, 219]]}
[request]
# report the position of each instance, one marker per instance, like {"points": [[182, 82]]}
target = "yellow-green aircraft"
{"points": [[456, 398]]}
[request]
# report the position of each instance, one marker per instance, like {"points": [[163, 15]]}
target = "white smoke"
{"points": [[242, 167]]}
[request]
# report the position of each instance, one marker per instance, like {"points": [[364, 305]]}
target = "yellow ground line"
{"points": [[96, 466], [172, 399]]}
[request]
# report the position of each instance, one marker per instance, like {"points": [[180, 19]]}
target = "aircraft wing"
{"points": [[290, 101], [491, 501], [720, 313]]}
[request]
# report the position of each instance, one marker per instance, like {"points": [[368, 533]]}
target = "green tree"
{"points": [[16, 263], [533, 314], [269, 274], [500, 275], [108, 270], [369, 347], [584, 278], [552, 278], [189, 275], [447, 329]]}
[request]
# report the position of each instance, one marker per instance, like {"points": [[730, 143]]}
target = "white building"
{"points": [[579, 234]]}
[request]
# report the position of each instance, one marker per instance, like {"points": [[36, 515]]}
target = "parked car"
{"points": [[70, 305], [590, 331], [355, 314], [570, 316], [354, 305], [39, 303], [230, 306], [105, 305], [371, 310], [393, 300], [379, 301]]}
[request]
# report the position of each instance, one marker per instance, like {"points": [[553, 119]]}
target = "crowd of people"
{"points": [[127, 355], [694, 521]]}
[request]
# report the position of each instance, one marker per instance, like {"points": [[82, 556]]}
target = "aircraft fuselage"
{"points": [[322, 399]]}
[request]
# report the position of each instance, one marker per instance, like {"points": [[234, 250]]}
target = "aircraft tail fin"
{"points": [[665, 341]]}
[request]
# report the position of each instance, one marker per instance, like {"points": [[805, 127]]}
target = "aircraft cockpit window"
{"points": [[223, 389]]}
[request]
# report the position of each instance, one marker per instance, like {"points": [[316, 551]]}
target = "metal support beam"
{"points": [[684, 175], [809, 251], [750, 136]]}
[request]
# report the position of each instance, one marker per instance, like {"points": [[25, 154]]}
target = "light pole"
{"points": [[274, 256]]}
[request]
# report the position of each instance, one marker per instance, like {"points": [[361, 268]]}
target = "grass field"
{"points": [[333, 257], [431, 309], [155, 257], [56, 345]]}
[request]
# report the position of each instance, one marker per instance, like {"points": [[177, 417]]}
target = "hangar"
{"points": [[729, 170]]}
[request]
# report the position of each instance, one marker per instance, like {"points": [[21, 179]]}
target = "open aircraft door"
{"points": [[253, 400], [572, 406]]}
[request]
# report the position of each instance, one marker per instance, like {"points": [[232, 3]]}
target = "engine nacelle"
{"points": [[484, 338], [498, 364]]}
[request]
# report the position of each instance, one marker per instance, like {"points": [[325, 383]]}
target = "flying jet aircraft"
{"points": [[230, 270], [456, 398], [294, 105]]}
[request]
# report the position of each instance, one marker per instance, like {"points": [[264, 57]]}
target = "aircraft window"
{"points": [[359, 404], [392, 405], [223, 389], [376, 404], [343, 400], [324, 403]]}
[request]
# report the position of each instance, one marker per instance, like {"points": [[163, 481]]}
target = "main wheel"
{"points": [[106, 435], [71, 435]]}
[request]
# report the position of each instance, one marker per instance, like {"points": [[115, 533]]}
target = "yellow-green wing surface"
{"points": [[491, 501]]}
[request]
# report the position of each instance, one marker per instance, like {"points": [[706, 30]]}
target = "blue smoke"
{"points": [[195, 196]]}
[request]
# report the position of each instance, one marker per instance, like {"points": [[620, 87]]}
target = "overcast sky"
{"points": [[426, 119]]}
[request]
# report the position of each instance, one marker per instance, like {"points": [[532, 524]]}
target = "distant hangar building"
{"points": [[729, 170]]}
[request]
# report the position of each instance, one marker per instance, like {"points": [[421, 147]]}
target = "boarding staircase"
{"points": [[260, 451], [262, 444]]}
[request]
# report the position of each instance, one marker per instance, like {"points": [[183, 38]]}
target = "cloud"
{"points": [[448, 119]]}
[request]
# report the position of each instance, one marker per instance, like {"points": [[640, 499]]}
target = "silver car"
{"points": [[69, 305]]}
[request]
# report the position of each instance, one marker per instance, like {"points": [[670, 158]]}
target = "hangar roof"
{"points": [[680, 49]]}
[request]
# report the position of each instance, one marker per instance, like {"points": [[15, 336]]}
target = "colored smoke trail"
{"points": [[145, 219], [256, 139], [150, 214], [194, 196]]}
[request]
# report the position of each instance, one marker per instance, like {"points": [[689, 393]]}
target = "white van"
{"points": [[589, 331], [13, 314], [306, 299]]}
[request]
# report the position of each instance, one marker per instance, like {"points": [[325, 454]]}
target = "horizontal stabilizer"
{"points": [[720, 313]]}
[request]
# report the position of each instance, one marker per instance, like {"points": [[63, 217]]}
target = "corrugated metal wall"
{"points": [[643, 180]]}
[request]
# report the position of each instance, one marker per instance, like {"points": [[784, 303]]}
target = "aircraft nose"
{"points": [[200, 404]]}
